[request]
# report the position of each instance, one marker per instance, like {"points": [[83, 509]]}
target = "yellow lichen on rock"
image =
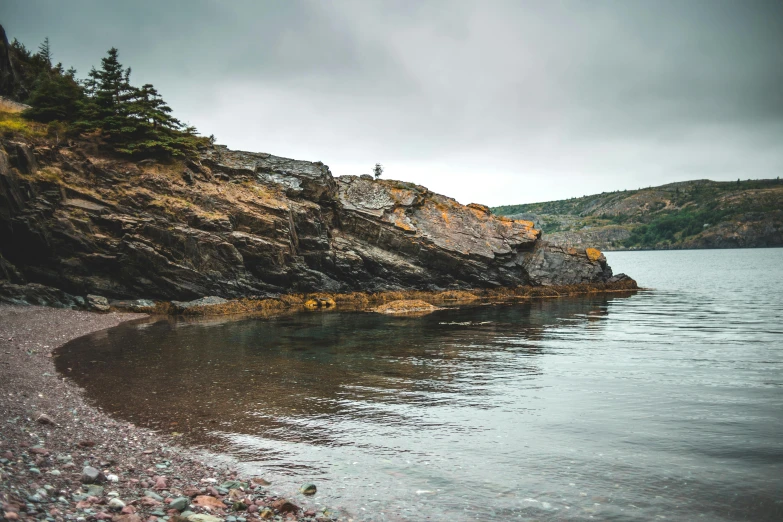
{"points": [[593, 254], [320, 302], [456, 295]]}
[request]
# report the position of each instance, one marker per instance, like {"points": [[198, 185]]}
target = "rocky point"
{"points": [[76, 222]]}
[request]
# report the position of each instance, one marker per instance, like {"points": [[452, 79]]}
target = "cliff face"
{"points": [[247, 224]]}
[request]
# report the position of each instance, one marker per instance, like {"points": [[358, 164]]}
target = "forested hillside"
{"points": [[691, 214]]}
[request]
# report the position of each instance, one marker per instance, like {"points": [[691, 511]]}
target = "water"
{"points": [[665, 404]]}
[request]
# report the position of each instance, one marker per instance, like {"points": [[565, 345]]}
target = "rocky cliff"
{"points": [[236, 224]]}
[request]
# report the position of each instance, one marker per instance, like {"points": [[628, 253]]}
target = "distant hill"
{"points": [[690, 214]]}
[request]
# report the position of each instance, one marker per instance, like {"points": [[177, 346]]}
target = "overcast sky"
{"points": [[485, 101]]}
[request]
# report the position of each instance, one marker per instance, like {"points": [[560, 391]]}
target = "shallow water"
{"points": [[667, 404]]}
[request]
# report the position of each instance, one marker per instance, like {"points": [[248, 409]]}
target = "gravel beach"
{"points": [[63, 460]]}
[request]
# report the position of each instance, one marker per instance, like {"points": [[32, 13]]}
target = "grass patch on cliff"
{"points": [[12, 124]]}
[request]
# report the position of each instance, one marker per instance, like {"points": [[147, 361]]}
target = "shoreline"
{"points": [[50, 433], [211, 306]]}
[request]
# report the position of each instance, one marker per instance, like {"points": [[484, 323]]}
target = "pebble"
{"points": [[153, 495], [94, 490], [308, 489], [91, 475], [180, 504], [204, 518], [112, 478], [55, 472], [116, 504]]}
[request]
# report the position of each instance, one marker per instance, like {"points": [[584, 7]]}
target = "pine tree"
{"points": [[54, 97], [148, 106], [45, 52]]}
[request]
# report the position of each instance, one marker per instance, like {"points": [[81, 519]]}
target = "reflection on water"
{"points": [[662, 404]]}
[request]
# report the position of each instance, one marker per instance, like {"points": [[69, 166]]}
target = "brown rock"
{"points": [[126, 518], [149, 502], [160, 484], [44, 419], [191, 491], [209, 501]]}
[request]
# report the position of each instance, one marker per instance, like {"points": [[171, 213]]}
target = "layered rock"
{"points": [[237, 224]]}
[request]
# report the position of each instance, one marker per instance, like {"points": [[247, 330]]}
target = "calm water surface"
{"points": [[663, 405]]}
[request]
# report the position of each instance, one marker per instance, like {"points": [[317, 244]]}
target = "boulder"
{"points": [[97, 303]]}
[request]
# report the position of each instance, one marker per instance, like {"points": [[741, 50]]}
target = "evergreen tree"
{"points": [[148, 106], [45, 52], [54, 97]]}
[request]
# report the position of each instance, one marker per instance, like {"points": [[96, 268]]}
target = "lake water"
{"points": [[666, 404]]}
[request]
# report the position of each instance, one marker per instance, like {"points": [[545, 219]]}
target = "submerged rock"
{"points": [[406, 306]]}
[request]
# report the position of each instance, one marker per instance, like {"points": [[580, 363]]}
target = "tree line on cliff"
{"points": [[128, 119]]}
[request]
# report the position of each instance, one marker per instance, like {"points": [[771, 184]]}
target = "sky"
{"points": [[491, 102]]}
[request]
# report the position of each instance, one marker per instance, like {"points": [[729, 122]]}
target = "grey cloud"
{"points": [[479, 100]]}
